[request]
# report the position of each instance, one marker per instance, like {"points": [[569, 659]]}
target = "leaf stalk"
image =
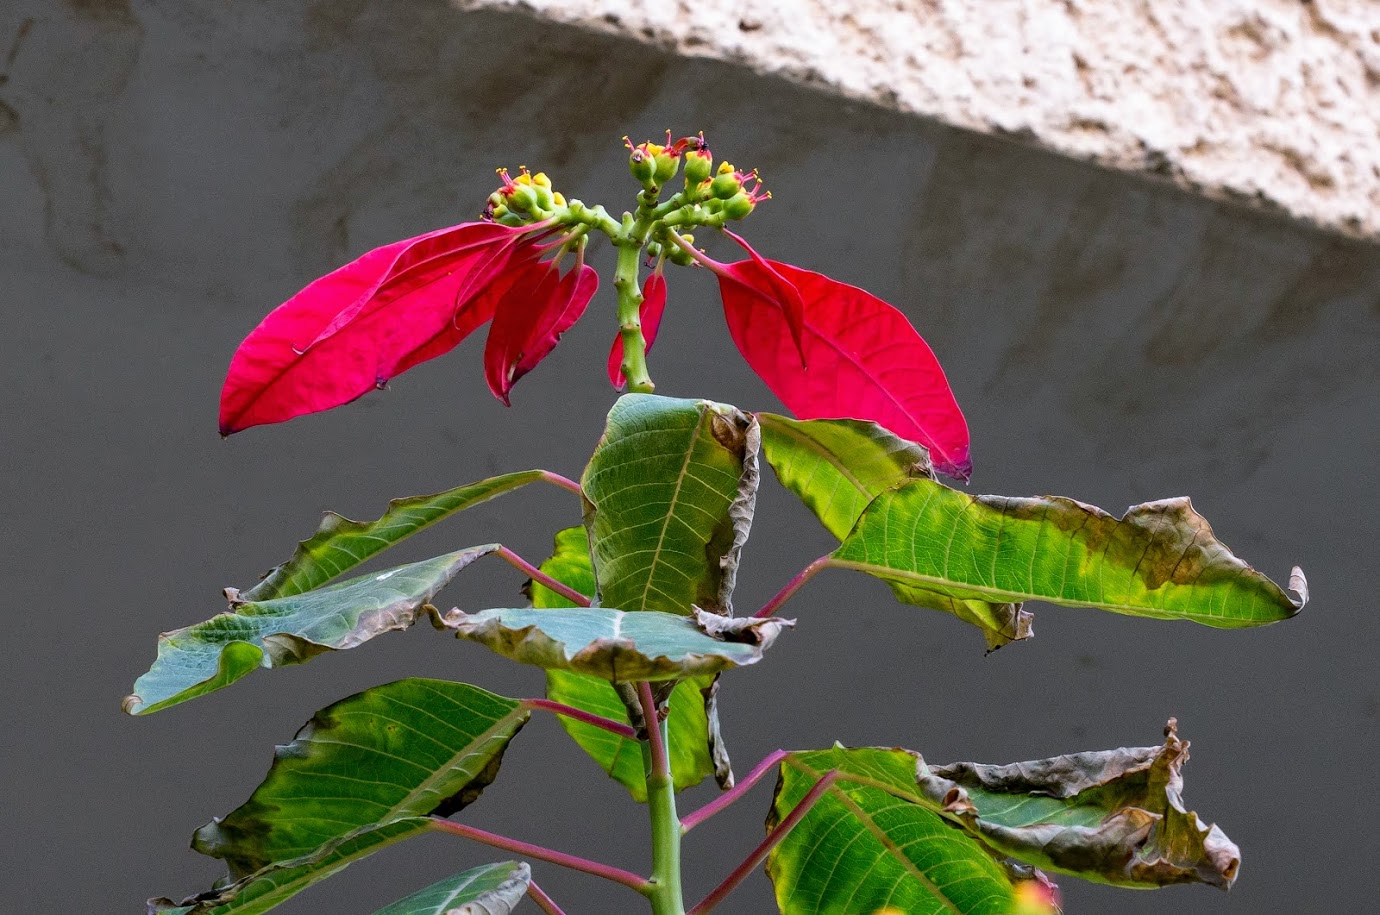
{"points": [[542, 853], [794, 585], [759, 854], [569, 711], [537, 575], [695, 818], [543, 901]]}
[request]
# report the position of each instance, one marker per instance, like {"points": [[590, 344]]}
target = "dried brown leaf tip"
{"points": [[1114, 816]]}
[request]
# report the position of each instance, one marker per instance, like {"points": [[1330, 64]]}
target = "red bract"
{"points": [[355, 328], [538, 307], [863, 360], [653, 306]]}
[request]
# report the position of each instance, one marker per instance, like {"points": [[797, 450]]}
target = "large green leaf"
{"points": [[669, 495], [620, 647], [940, 548], [340, 544], [838, 466], [689, 726], [491, 889], [874, 843], [364, 773], [1115, 816], [290, 630]]}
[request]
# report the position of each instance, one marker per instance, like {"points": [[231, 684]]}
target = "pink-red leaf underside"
{"points": [[360, 325], [863, 358], [540, 307]]}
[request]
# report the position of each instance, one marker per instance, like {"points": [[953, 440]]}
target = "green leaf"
{"points": [[874, 843], [492, 889], [364, 773], [940, 548], [290, 630], [669, 496], [838, 466], [277, 883], [617, 646], [1115, 816], [688, 723], [340, 544]]}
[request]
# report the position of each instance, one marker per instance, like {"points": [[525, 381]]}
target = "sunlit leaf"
{"points": [[364, 773], [618, 646], [290, 630], [1114, 816], [670, 491], [838, 466], [940, 548], [874, 843], [688, 725], [340, 544], [491, 889]]}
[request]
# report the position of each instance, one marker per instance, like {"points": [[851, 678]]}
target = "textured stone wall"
{"points": [[1274, 101]]}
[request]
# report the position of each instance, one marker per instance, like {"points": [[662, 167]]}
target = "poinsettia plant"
{"points": [[632, 617]]}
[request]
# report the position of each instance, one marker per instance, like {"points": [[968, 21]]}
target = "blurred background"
{"points": [[171, 171]]}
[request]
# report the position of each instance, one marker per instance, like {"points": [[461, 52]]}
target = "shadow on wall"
{"points": [[1204, 324]]}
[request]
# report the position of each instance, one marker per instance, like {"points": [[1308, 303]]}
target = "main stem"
{"points": [[663, 890], [630, 311]]}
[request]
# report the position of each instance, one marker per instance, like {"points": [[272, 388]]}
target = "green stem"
{"points": [[629, 310], [663, 889]]}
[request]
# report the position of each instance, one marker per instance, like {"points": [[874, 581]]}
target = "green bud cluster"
{"points": [[523, 200], [653, 164], [673, 253]]}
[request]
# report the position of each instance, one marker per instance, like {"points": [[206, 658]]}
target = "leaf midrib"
{"points": [[862, 816], [671, 507], [1005, 596]]}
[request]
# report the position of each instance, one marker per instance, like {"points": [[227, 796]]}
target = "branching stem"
{"points": [[537, 575], [541, 853], [759, 854], [794, 585]]}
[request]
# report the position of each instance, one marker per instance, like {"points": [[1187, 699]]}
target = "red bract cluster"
{"points": [[833, 351], [827, 349], [397, 306]]}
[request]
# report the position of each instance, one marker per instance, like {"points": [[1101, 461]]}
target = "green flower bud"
{"points": [[739, 205], [642, 165], [522, 197], [699, 164], [726, 183], [667, 164]]}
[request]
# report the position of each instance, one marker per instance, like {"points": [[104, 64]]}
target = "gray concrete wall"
{"points": [[170, 171]]}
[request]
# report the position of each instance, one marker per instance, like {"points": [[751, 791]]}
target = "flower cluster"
{"points": [[825, 348]]}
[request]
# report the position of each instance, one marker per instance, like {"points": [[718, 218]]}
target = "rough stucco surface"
{"points": [[1273, 101]]}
